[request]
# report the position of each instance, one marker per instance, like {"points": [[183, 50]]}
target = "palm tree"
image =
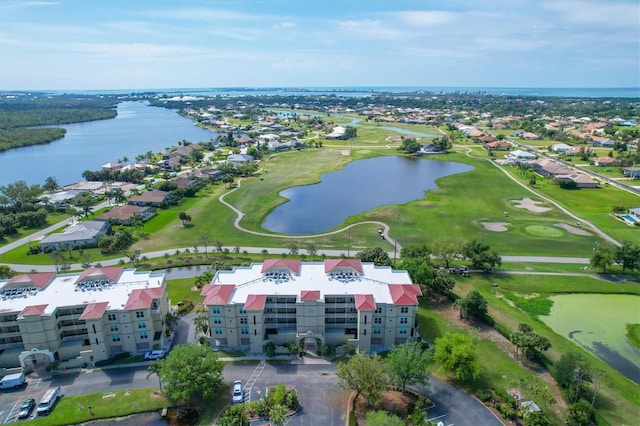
{"points": [[154, 368], [204, 240], [278, 415]]}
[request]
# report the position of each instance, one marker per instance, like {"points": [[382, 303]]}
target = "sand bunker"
{"points": [[529, 204], [496, 226], [572, 229]]}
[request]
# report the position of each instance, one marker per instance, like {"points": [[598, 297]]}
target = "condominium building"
{"points": [[331, 302], [80, 318]]}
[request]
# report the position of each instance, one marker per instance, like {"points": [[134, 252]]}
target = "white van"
{"points": [[12, 381], [48, 401]]}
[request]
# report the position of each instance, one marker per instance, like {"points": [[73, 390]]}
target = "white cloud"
{"points": [[426, 17], [134, 50], [602, 13], [370, 29]]}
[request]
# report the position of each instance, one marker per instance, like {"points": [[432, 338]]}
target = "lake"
{"points": [[138, 128], [596, 322], [360, 186]]}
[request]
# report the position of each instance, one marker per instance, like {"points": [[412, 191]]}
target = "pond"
{"points": [[596, 322], [360, 186]]}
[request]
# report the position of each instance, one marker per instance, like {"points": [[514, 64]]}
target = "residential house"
{"points": [[635, 212], [549, 168], [605, 161], [80, 318], [580, 180], [520, 156], [123, 215], [239, 159], [330, 302], [497, 146], [149, 198], [84, 233], [632, 172], [560, 147], [603, 142], [338, 132]]}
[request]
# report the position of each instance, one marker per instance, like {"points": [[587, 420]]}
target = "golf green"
{"points": [[543, 231]]}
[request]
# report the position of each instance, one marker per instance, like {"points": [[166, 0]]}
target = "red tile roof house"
{"points": [[605, 161], [149, 198], [497, 146], [330, 302], [123, 215]]}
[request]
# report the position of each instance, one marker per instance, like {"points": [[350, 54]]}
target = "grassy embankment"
{"points": [[515, 299], [633, 334]]}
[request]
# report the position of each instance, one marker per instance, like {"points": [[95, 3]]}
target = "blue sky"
{"points": [[143, 44]]}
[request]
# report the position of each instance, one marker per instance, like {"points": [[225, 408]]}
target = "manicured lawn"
{"points": [[181, 289], [633, 333], [73, 409]]}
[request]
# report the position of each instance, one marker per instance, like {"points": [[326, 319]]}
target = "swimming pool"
{"points": [[628, 218]]}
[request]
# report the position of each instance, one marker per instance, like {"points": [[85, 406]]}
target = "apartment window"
{"points": [[403, 330], [244, 330], [139, 314], [379, 310], [113, 327], [377, 320], [377, 330], [154, 304], [217, 320], [217, 330], [144, 335], [115, 338], [243, 320], [111, 317], [404, 320], [142, 325], [243, 311], [215, 310]]}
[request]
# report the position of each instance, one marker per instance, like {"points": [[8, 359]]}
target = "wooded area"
{"points": [[19, 114]]}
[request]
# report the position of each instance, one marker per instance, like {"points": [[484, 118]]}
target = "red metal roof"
{"points": [[255, 302], [33, 310], [217, 294], [142, 298], [112, 273], [310, 295], [404, 294], [331, 264], [365, 302], [291, 264], [94, 310], [38, 280]]}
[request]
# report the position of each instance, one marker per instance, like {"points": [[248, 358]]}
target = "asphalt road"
{"points": [[322, 402]]}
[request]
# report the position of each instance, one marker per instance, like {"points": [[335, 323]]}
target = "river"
{"points": [[138, 128]]}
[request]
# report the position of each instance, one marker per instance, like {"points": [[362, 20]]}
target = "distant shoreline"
{"points": [[577, 92]]}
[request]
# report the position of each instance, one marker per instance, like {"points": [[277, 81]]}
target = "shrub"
{"points": [[291, 399], [113, 359], [507, 410], [277, 397]]}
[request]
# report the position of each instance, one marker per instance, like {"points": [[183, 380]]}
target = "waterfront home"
{"points": [[77, 234], [635, 212]]}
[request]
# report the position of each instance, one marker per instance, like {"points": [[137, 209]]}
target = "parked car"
{"points": [[238, 395], [49, 401], [157, 354], [26, 408]]}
